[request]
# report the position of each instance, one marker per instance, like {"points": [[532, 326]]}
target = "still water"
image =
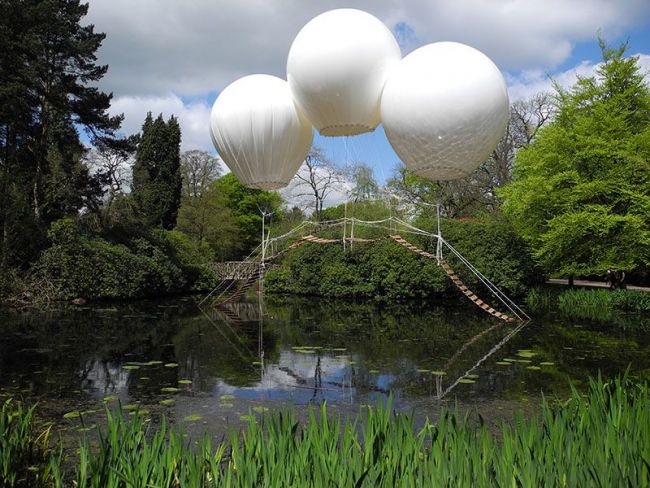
{"points": [[209, 369]]}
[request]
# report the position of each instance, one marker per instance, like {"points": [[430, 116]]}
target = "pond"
{"points": [[210, 369]]}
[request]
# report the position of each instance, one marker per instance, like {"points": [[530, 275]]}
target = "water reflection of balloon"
{"points": [[444, 110], [259, 132], [337, 67]]}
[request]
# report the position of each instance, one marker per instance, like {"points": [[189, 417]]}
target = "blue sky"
{"points": [[174, 57]]}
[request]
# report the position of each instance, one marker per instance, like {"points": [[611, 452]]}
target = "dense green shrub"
{"points": [[377, 270], [491, 245], [81, 265], [386, 270]]}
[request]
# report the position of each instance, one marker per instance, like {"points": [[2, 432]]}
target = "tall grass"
{"points": [[599, 439], [24, 456]]}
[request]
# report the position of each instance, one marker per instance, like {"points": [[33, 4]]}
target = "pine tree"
{"points": [[157, 181], [47, 70]]}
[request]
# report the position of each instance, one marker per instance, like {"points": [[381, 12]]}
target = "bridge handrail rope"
{"points": [[512, 306]]}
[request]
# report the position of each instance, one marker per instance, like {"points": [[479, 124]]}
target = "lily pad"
{"points": [[260, 409], [438, 373], [503, 363], [171, 365], [226, 405], [154, 363], [466, 381], [192, 418], [247, 418], [169, 389], [534, 368], [167, 402], [225, 398], [471, 376], [184, 382], [526, 354], [423, 370], [72, 415], [130, 366], [132, 406], [373, 371], [547, 363], [109, 398]]}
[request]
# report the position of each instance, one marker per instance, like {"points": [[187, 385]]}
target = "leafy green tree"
{"points": [[157, 181], [247, 206], [47, 72], [580, 194]]}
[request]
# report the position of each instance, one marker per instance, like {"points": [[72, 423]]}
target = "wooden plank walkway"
{"points": [[593, 284]]}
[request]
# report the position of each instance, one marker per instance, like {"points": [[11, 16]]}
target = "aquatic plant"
{"points": [[598, 439], [23, 454]]}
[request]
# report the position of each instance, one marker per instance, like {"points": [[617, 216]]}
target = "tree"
{"points": [[247, 206], [47, 72], [198, 169], [316, 179], [580, 190], [203, 214], [157, 181], [110, 161], [365, 186]]}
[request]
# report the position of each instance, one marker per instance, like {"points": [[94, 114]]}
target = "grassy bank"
{"points": [[602, 305], [600, 439]]}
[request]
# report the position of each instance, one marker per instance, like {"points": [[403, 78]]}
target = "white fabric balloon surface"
{"points": [[337, 67], [259, 132], [444, 109]]}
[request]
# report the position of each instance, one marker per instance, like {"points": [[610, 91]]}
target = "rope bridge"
{"points": [[252, 269]]}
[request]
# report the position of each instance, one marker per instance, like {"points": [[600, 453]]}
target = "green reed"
{"points": [[24, 456], [598, 439]]}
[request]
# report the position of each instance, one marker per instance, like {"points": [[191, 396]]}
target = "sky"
{"points": [[174, 57]]}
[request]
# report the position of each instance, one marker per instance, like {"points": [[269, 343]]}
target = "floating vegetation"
{"points": [[533, 368], [130, 366], [167, 402], [510, 360], [75, 414], [373, 371], [524, 361], [225, 398], [423, 370], [184, 382], [438, 373], [257, 363], [132, 406], [87, 429], [169, 389], [171, 365], [526, 354], [471, 376], [343, 356], [247, 418], [192, 418], [466, 381], [140, 411], [260, 409], [109, 398], [339, 349], [153, 363], [503, 363], [144, 378], [226, 405]]}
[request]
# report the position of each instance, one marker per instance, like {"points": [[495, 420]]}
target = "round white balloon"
{"points": [[337, 67], [444, 109], [259, 132]]}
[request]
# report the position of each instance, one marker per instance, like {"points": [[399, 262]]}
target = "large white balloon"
{"points": [[259, 132], [444, 110], [337, 67]]}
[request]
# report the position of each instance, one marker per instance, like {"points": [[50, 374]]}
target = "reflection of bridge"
{"points": [[252, 270]]}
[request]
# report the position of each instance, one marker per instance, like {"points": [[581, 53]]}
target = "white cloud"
{"points": [[156, 47], [530, 82], [192, 117]]}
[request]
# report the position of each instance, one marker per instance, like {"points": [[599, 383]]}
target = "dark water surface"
{"points": [[210, 370]]}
